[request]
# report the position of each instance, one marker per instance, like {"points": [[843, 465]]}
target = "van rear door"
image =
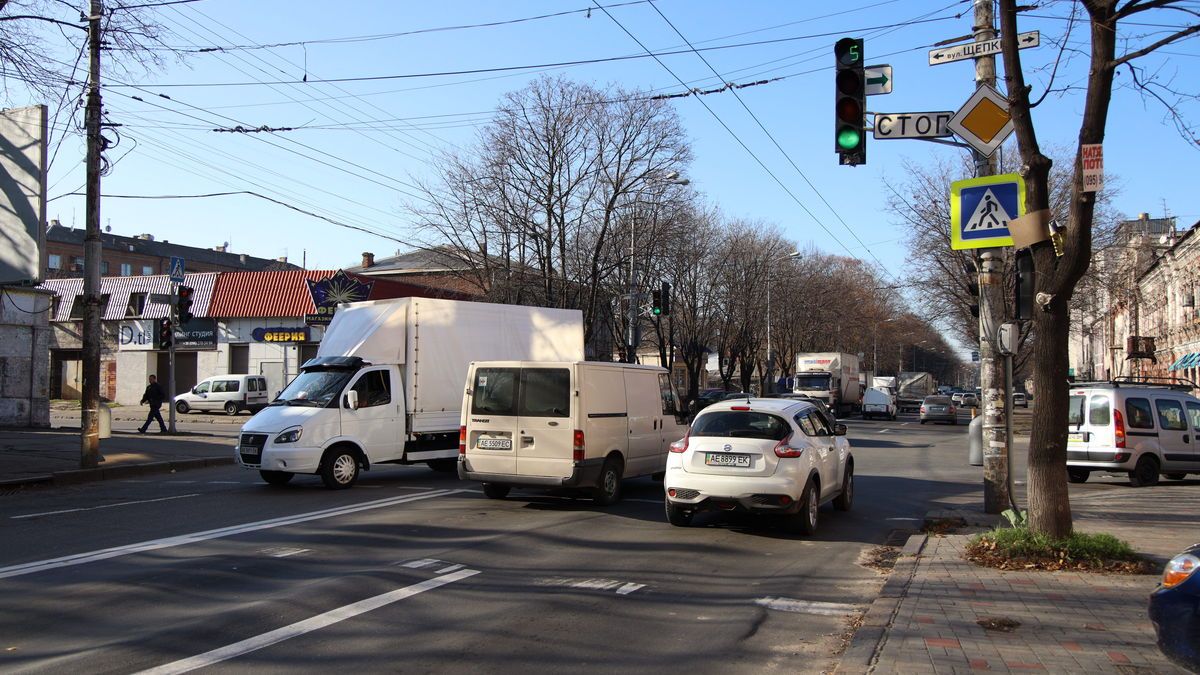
{"points": [[545, 433], [492, 420]]}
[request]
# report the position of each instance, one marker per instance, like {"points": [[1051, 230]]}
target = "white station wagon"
{"points": [[764, 456]]}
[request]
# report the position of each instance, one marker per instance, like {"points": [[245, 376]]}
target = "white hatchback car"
{"points": [[765, 456]]}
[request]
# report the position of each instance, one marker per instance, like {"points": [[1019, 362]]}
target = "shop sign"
{"points": [[330, 292], [136, 335], [197, 334], [300, 334]]}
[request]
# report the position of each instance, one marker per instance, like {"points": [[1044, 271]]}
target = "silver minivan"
{"points": [[229, 393], [1138, 428]]}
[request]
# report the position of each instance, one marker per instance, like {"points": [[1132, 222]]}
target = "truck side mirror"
{"points": [[352, 399]]}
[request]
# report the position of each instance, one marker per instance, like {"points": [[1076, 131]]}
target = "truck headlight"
{"points": [[290, 435]]}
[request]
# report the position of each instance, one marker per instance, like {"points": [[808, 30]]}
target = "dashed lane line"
{"points": [[807, 606], [194, 537], [102, 506]]}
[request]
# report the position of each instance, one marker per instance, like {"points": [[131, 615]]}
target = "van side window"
{"points": [[1099, 412], [373, 389], [252, 384], [1170, 415], [202, 388], [232, 385], [545, 392], [1137, 412], [667, 392], [495, 391], [1194, 414]]}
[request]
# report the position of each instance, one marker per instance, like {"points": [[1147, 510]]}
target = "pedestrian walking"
{"points": [[153, 397]]}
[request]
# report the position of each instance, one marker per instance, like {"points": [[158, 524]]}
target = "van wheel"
{"points": [[608, 492], [181, 407], [1145, 472], [1076, 475], [845, 499], [1174, 476], [232, 408], [678, 516], [340, 469], [276, 477], [443, 465], [495, 490], [805, 520]]}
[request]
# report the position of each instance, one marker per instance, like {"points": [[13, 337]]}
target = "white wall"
{"points": [[24, 366], [133, 367]]}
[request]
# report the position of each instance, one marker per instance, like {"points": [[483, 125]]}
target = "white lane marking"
{"points": [[904, 424], [884, 431], [901, 518], [370, 487], [644, 501], [451, 568], [807, 606], [290, 552], [180, 540], [306, 626], [179, 482], [621, 587], [225, 482], [102, 506], [629, 588], [423, 562]]}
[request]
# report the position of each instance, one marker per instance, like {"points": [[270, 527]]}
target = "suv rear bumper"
{"points": [[759, 494]]}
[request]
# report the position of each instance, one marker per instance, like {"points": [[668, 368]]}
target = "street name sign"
{"points": [[983, 121], [879, 79], [913, 125], [981, 208], [970, 50], [176, 269]]}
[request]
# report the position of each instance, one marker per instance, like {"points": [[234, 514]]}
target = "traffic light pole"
{"points": [[89, 457], [174, 314]]}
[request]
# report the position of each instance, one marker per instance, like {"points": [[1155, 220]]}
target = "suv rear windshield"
{"points": [[532, 392], [741, 424]]}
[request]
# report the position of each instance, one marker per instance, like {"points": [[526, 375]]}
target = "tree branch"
{"points": [[1190, 30]]}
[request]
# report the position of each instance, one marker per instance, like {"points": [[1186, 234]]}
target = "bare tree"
{"points": [[1059, 275]]}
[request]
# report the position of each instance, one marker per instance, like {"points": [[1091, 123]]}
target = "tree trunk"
{"points": [[1049, 503]]}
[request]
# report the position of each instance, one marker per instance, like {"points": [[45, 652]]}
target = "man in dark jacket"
{"points": [[154, 396]]}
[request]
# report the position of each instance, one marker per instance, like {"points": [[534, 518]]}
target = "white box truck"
{"points": [[913, 388], [831, 377], [386, 386]]}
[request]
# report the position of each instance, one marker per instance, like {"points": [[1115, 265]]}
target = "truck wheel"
{"points": [[1145, 472], [276, 477], [181, 407], [678, 516], [443, 465], [845, 500], [340, 469], [608, 491], [495, 490], [232, 408], [805, 520]]}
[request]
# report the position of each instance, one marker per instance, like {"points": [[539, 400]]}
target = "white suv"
{"points": [[1138, 428], [766, 456]]}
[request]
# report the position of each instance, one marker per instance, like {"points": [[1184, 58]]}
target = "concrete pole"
{"points": [[992, 381], [91, 338]]}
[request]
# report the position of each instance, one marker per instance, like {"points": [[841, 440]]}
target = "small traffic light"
{"points": [[1023, 288], [166, 333], [666, 299], [850, 136], [183, 304], [656, 303], [972, 273]]}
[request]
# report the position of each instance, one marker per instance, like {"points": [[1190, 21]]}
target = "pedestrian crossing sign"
{"points": [[981, 208]]}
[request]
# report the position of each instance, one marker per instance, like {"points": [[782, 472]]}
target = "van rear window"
{"points": [[1075, 411], [528, 392], [495, 391]]}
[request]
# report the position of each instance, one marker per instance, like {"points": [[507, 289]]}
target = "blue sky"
{"points": [[355, 163]]}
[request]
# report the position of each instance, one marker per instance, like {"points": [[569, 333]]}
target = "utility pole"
{"points": [[992, 381], [90, 409]]}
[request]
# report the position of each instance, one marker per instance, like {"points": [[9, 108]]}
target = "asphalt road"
{"points": [[414, 570]]}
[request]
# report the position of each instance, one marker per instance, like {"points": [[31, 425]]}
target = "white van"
{"points": [[1137, 428], [877, 402], [231, 393], [566, 424]]}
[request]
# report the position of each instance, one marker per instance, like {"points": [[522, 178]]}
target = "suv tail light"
{"points": [[953, 410], [922, 409], [577, 446], [681, 445], [782, 449], [1119, 426], [462, 441]]}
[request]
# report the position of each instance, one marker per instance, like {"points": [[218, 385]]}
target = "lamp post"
{"points": [[915, 346], [770, 383], [875, 348], [631, 336]]}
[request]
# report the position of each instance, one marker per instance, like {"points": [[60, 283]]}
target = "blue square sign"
{"points": [[981, 208], [176, 270]]}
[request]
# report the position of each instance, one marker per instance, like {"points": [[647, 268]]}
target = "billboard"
{"points": [[22, 194]]}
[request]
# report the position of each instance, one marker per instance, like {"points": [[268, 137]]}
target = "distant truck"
{"points": [[831, 377], [386, 386], [912, 389], [887, 383]]}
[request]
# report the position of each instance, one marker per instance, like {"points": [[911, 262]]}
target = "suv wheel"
{"points": [[1077, 475], [845, 499], [1145, 472], [677, 515], [1174, 476], [805, 520]]}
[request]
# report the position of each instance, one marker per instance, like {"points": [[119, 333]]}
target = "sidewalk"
{"points": [[927, 619], [40, 456]]}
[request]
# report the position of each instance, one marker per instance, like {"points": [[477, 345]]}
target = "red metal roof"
{"points": [[269, 294]]}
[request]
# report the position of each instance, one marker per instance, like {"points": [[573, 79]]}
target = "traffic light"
{"points": [[666, 299], [972, 272], [656, 303], [166, 333], [183, 304], [1023, 288], [850, 136]]}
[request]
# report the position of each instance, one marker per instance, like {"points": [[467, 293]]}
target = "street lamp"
{"points": [[770, 384], [875, 349], [671, 178]]}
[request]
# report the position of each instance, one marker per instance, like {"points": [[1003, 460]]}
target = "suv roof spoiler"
{"points": [[1178, 383]]}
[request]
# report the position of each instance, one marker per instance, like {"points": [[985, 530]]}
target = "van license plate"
{"points": [[726, 459], [495, 443], [1074, 437]]}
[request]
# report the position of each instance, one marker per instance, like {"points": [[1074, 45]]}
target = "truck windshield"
{"points": [[813, 382], [316, 388]]}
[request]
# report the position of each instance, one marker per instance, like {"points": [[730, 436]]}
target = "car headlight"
{"points": [[290, 435], [1179, 569]]}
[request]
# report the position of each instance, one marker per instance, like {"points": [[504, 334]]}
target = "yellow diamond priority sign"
{"points": [[983, 121]]}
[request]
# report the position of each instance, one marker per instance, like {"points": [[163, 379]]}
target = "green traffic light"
{"points": [[849, 139], [657, 311]]}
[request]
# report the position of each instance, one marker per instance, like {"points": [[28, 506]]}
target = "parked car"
{"points": [[1142, 429], [763, 456], [964, 399], [230, 393], [938, 409], [1019, 400], [1175, 610], [707, 397]]}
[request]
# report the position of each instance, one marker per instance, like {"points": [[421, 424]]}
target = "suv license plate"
{"points": [[495, 443], [726, 459]]}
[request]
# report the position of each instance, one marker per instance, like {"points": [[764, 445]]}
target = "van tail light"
{"points": [[681, 445], [1119, 425], [462, 441], [782, 449], [577, 446]]}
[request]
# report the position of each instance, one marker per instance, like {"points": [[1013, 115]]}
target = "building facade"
{"points": [[24, 340]]}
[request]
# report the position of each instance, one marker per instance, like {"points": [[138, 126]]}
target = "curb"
{"points": [[77, 476], [864, 647]]}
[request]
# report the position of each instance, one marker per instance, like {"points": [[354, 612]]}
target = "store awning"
{"points": [[1191, 360]]}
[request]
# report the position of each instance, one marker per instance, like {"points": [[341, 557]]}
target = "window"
{"points": [[495, 391], [373, 389], [1099, 411], [1137, 410], [252, 384], [76, 264], [103, 267], [806, 425], [670, 402], [741, 424], [126, 270], [1075, 411], [77, 308], [201, 388], [1170, 415], [226, 386], [137, 304], [54, 261], [545, 392], [1194, 415], [147, 270], [824, 428]]}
